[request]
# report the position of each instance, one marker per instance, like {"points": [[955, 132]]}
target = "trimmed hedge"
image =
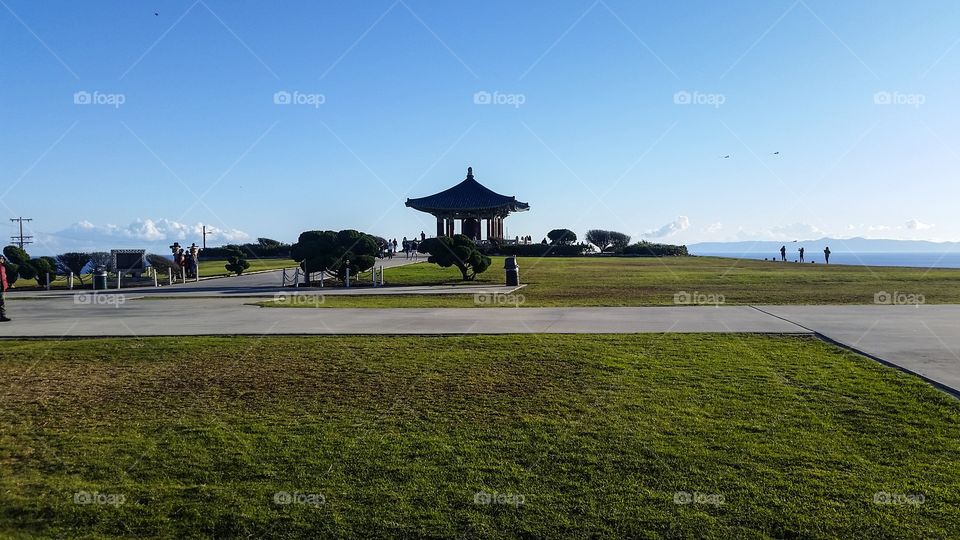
{"points": [[648, 249], [544, 250]]}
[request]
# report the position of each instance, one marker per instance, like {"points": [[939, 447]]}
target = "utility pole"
{"points": [[204, 237], [21, 239]]}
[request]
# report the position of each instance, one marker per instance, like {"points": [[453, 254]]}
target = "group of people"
{"points": [[409, 247], [187, 259], [783, 254]]}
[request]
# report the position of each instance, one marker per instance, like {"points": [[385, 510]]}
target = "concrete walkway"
{"points": [[924, 340]]}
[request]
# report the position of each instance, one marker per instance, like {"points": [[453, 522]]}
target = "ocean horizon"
{"points": [[914, 260]]}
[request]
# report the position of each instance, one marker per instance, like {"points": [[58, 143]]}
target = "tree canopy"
{"points": [[330, 251], [562, 236], [74, 262], [608, 240], [459, 251]]}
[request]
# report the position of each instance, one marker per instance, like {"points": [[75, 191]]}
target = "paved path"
{"points": [[924, 340]]}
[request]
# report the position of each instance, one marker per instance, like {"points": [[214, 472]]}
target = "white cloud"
{"points": [[915, 225], [141, 232], [714, 227], [682, 223]]}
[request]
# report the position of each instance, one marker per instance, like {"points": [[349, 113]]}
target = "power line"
{"points": [[21, 239]]}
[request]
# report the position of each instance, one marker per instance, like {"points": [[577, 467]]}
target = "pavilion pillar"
{"points": [[488, 228], [439, 227]]}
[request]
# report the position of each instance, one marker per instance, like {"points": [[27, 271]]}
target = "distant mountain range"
{"points": [[855, 245]]}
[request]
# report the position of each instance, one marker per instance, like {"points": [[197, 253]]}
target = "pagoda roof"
{"points": [[468, 195]]}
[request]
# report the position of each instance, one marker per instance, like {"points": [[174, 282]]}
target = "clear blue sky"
{"points": [[599, 140]]}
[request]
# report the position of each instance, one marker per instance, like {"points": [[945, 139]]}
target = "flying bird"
{"points": [[777, 153], [725, 157]]}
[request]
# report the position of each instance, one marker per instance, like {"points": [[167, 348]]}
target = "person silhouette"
{"points": [[801, 254], [783, 253], [826, 255]]}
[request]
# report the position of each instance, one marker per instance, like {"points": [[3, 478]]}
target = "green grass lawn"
{"points": [[619, 281], [571, 436], [210, 268]]}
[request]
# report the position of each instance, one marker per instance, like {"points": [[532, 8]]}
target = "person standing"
{"points": [[826, 254], [423, 236], [801, 254], [195, 259], [783, 253], [3, 289]]}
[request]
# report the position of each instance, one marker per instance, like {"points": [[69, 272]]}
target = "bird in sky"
{"points": [[777, 153], [725, 157]]}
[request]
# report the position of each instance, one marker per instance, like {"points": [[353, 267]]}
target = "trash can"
{"points": [[512, 270], [100, 279]]}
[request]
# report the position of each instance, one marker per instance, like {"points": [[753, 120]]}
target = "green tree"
{"points": [[19, 264], [331, 251], [618, 241], [599, 238], [562, 236], [43, 266], [459, 251], [101, 258], [162, 264], [72, 262], [236, 262]]}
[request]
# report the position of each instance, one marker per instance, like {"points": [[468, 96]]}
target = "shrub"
{"points": [[161, 263], [18, 266], [459, 251], [649, 249], [236, 263], [42, 267], [544, 250]]}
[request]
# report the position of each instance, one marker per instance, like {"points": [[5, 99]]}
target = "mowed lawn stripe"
{"points": [[402, 436]]}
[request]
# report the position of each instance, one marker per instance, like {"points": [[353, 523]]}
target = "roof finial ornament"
{"points": [[469, 172]]}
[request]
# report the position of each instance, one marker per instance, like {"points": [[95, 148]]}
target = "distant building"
{"points": [[471, 203]]}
